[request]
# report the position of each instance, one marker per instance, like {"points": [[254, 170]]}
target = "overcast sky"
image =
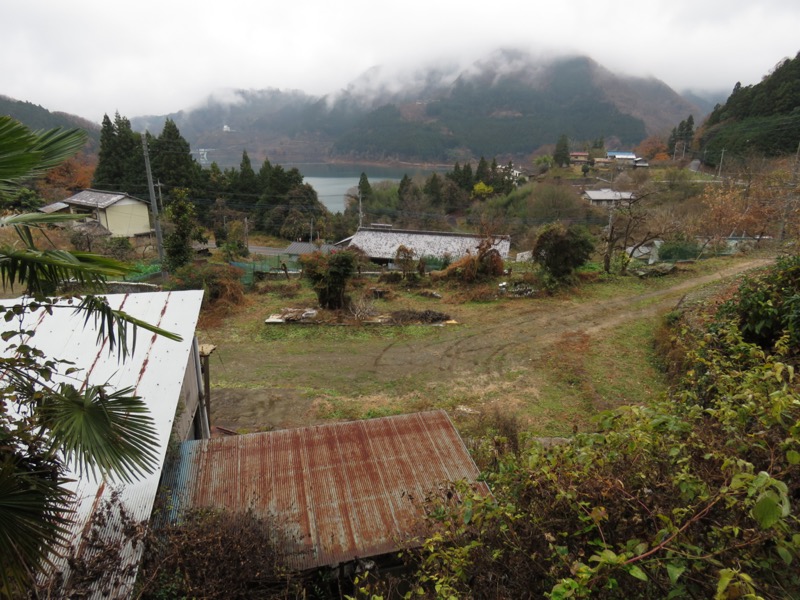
{"points": [[139, 57]]}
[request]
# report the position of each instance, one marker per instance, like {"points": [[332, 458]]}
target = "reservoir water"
{"points": [[333, 182]]}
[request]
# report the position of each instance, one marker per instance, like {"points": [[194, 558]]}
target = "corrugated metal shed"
{"points": [[97, 198], [341, 491], [383, 243], [156, 370], [54, 207]]}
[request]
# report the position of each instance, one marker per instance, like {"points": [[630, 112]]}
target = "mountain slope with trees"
{"points": [[508, 105], [757, 119], [38, 118]]}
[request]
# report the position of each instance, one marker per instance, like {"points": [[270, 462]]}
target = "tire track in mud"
{"points": [[529, 333]]}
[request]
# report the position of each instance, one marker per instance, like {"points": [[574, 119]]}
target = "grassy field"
{"points": [[552, 362]]}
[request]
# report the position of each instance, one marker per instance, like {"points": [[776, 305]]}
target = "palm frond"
{"points": [[41, 271], [25, 154], [113, 323], [101, 433]]}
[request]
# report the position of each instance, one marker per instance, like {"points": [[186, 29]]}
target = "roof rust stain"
{"points": [[153, 339], [339, 491]]}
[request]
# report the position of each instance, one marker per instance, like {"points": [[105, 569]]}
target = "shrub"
{"points": [[679, 250], [767, 307], [215, 554], [694, 496], [559, 250], [329, 274], [221, 283]]}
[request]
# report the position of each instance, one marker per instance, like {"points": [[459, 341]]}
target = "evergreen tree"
{"points": [[561, 153], [184, 230], [247, 183], [120, 164], [495, 174], [171, 160], [404, 188], [467, 181], [109, 165], [482, 173], [364, 188], [433, 190], [265, 176]]}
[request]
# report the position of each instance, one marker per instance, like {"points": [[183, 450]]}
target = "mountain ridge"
{"points": [[509, 104]]}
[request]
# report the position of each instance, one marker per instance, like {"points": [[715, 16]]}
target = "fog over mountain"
{"points": [[508, 104]]}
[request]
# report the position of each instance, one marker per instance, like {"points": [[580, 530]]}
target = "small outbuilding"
{"points": [[341, 491]]}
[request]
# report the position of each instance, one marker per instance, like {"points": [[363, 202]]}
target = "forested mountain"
{"points": [[37, 118], [508, 105], [757, 119]]}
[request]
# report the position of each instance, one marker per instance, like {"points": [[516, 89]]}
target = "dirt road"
{"points": [[497, 355]]}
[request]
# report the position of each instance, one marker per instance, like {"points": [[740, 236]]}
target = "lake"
{"points": [[332, 182]]}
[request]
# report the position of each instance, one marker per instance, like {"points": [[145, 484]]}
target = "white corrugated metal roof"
{"points": [[607, 195], [156, 371], [383, 243], [54, 207]]}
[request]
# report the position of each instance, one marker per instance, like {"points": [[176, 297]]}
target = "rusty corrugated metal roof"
{"points": [[156, 370], [342, 491]]}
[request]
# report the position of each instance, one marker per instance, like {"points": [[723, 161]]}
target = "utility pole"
{"points": [[360, 213], [722, 156], [153, 205], [160, 199]]}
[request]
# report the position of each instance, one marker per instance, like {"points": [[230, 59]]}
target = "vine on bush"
{"points": [[695, 496]]}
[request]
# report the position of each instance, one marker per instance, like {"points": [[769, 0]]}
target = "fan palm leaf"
{"points": [[100, 432]]}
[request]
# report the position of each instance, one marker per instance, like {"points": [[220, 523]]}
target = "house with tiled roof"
{"points": [[381, 243]]}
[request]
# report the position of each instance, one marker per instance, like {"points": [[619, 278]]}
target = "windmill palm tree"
{"points": [[45, 426]]}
